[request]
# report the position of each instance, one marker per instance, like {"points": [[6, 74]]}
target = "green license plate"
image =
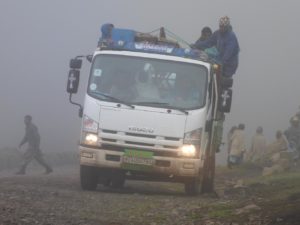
{"points": [[137, 160]]}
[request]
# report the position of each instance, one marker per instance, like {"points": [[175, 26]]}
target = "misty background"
{"points": [[37, 39]]}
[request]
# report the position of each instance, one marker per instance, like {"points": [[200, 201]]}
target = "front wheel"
{"points": [[88, 178], [208, 174], [193, 187]]}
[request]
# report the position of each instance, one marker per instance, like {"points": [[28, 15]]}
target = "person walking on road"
{"points": [[32, 137]]}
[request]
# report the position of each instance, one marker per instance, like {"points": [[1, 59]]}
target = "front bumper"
{"points": [[170, 166]]}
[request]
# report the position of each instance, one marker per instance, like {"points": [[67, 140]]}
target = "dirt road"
{"points": [[58, 199]]}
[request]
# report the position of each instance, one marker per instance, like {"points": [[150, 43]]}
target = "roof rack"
{"points": [[130, 40]]}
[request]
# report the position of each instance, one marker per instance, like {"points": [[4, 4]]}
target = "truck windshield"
{"points": [[148, 82]]}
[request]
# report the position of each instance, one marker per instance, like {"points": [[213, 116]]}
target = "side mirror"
{"points": [[225, 100], [75, 63], [73, 81]]}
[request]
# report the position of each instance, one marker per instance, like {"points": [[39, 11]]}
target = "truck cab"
{"points": [[151, 112]]}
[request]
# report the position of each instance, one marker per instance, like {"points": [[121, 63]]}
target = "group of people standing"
{"points": [[260, 152]]}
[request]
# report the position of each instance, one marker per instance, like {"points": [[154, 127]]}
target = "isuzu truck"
{"points": [[153, 110]]}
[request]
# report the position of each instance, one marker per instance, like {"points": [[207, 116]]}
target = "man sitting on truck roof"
{"points": [[106, 30], [227, 44], [206, 33]]}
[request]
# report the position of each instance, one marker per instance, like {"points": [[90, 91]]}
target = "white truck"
{"points": [[152, 111]]}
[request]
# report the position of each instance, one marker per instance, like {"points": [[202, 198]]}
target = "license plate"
{"points": [[140, 161], [137, 160]]}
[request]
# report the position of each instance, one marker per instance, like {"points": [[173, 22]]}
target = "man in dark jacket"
{"points": [[227, 45], [205, 34], [32, 137]]}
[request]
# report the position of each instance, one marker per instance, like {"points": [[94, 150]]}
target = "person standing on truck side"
{"points": [[258, 146], [32, 137], [227, 45], [238, 146]]}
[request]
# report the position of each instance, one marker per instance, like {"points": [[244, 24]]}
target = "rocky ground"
{"points": [[242, 197]]}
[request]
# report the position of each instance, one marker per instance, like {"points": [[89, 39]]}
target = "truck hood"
{"points": [[156, 122]]}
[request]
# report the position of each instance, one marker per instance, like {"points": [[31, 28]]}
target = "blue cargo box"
{"points": [[125, 35]]}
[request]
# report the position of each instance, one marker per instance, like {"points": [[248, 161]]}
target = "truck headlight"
{"points": [[90, 139], [89, 124], [188, 151], [193, 137]]}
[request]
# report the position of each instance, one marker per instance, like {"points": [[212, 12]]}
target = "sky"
{"points": [[37, 39]]}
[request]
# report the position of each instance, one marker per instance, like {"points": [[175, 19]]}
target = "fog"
{"points": [[39, 37]]}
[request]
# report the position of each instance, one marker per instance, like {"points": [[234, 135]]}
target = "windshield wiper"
{"points": [[180, 110], [107, 96], [151, 103], [163, 104]]}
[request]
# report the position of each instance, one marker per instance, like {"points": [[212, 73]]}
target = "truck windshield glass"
{"points": [[148, 82]]}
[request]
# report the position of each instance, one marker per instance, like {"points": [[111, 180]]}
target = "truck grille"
{"points": [[155, 152], [140, 141]]}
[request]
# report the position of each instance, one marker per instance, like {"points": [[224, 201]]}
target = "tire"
{"points": [[88, 178], [193, 187], [207, 184]]}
